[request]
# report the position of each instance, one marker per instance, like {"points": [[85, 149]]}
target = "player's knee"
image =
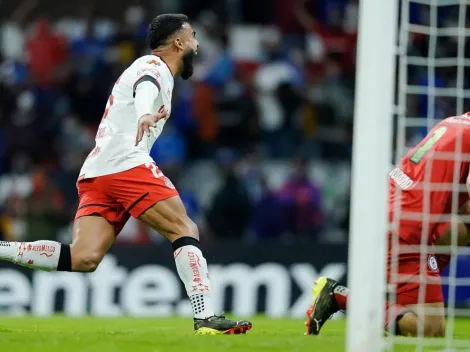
{"points": [[410, 325], [90, 262], [86, 263]]}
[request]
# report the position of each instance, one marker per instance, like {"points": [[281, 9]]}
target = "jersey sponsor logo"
{"points": [[432, 263], [40, 248], [155, 289], [400, 178], [154, 62]]}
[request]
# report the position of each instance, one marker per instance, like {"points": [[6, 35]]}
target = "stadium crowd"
{"points": [[260, 149]]}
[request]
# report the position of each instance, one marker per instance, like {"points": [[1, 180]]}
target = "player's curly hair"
{"points": [[162, 27]]}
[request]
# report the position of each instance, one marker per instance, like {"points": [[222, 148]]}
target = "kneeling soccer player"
{"points": [[432, 173]]}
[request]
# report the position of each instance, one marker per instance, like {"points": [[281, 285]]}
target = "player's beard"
{"points": [[188, 65]]}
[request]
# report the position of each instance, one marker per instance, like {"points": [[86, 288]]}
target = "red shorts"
{"points": [[117, 196], [414, 276]]}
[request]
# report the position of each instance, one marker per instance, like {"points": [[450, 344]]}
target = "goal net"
{"points": [[423, 43]]}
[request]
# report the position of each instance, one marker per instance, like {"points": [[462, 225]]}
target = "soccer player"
{"points": [[421, 204], [119, 179]]}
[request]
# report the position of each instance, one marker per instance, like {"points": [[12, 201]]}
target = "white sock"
{"points": [[192, 270], [42, 255]]}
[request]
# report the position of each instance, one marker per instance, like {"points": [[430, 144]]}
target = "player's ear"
{"points": [[179, 42]]}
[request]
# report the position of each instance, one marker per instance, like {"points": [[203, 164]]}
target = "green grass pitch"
{"points": [[60, 334]]}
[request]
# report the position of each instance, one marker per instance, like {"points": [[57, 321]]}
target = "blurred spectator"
{"points": [[46, 211], [269, 218], [238, 115], [338, 91], [18, 182], [208, 32], [12, 38], [275, 74], [47, 53], [214, 70], [13, 219], [332, 28], [73, 146], [290, 25], [204, 110], [171, 148], [24, 128], [301, 202], [249, 168], [229, 214], [329, 113]]}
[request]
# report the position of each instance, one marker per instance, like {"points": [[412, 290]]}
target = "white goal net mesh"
{"points": [[433, 82]]}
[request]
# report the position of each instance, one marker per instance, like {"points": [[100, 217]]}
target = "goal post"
{"points": [[372, 148]]}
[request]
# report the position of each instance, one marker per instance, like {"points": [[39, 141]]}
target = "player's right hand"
{"points": [[147, 121]]}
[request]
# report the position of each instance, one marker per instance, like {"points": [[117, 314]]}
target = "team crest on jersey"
{"points": [[432, 263], [168, 183], [154, 62]]}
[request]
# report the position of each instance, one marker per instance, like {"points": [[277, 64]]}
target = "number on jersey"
{"points": [[419, 154], [155, 170]]}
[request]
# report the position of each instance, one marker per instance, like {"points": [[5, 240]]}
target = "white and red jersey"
{"points": [[115, 148]]}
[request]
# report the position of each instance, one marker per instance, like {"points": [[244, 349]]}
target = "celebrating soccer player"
{"points": [[119, 179], [430, 184]]}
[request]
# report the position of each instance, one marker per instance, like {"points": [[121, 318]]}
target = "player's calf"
{"points": [[169, 218]]}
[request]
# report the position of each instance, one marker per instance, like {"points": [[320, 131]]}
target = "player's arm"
{"points": [[461, 224], [146, 90], [463, 234]]}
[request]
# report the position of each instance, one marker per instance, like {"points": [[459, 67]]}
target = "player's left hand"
{"points": [[147, 121]]}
